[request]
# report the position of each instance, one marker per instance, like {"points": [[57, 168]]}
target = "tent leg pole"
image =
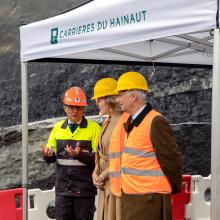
{"points": [[24, 95], [215, 141]]}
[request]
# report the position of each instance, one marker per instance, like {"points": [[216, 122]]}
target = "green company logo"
{"points": [[54, 36]]}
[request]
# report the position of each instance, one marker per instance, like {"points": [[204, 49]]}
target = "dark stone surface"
{"points": [[193, 140], [183, 95], [187, 99]]}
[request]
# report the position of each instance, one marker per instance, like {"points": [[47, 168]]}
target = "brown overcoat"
{"points": [[155, 206]]}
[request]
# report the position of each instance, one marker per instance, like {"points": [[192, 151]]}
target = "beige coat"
{"points": [[109, 206]]}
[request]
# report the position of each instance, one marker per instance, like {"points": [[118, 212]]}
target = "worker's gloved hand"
{"points": [[47, 151], [96, 181], [74, 152]]}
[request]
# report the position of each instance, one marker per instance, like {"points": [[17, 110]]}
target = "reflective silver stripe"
{"points": [[114, 174], [76, 90], [113, 155], [67, 162], [139, 153], [136, 172]]}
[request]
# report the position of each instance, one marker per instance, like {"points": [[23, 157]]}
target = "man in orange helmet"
{"points": [[72, 144]]}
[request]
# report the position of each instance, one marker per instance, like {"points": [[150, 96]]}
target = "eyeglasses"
{"points": [[73, 107]]}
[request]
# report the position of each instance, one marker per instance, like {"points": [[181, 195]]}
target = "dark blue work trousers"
{"points": [[74, 208]]}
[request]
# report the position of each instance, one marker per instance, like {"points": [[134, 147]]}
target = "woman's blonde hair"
{"points": [[111, 101]]}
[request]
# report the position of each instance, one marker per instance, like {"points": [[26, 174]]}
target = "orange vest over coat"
{"points": [[140, 170], [114, 154]]}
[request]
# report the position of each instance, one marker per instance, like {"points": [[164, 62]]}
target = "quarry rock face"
{"points": [[192, 138], [183, 95]]}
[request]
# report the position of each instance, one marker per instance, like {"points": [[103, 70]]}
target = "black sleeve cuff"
{"points": [[50, 159], [86, 157]]}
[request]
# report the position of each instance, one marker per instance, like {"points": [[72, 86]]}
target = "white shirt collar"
{"points": [[69, 122], [138, 112]]}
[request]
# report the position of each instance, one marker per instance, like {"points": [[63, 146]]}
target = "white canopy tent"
{"points": [[172, 32]]}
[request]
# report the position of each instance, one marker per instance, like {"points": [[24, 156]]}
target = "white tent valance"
{"points": [[122, 30]]}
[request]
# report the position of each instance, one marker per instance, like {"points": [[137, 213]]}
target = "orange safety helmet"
{"points": [[75, 96]]}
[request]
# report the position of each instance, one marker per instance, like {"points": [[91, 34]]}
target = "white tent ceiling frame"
{"points": [[184, 32], [191, 45]]}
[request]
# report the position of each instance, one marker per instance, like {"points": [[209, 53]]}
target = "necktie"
{"points": [[73, 127], [129, 125]]}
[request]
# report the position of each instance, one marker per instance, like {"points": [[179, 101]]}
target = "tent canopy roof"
{"points": [[154, 31]]}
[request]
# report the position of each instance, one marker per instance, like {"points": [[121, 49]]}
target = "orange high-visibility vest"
{"points": [[140, 169], [114, 154]]}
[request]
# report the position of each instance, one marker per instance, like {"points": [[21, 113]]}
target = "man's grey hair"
{"points": [[142, 95]]}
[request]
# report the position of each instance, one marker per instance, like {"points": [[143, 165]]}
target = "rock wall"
{"points": [[183, 95], [13, 14], [193, 140]]}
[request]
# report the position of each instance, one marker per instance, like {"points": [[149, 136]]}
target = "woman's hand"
{"points": [[96, 181]]}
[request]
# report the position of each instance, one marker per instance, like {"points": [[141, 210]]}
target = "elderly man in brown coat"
{"points": [[151, 164]]}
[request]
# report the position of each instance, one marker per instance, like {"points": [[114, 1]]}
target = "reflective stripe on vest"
{"points": [[140, 169], [139, 153], [142, 172], [115, 174], [114, 154], [66, 162], [117, 157]]}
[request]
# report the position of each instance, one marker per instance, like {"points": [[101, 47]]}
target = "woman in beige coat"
{"points": [[109, 206]]}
